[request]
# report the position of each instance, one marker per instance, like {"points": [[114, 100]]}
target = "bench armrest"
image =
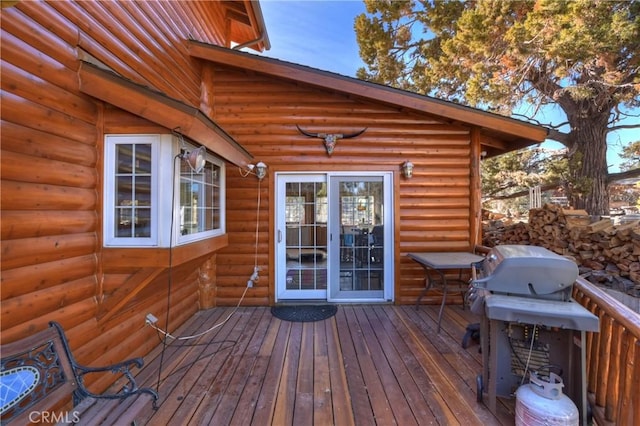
{"points": [[124, 369]]}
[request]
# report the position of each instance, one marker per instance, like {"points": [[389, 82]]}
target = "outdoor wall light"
{"points": [[260, 170], [195, 159], [407, 169]]}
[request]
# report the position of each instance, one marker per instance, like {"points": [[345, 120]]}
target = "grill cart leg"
{"points": [[473, 333]]}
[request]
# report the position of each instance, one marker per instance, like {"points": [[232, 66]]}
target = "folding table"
{"points": [[440, 263]]}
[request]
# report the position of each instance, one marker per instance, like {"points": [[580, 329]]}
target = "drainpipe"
{"points": [[263, 30], [250, 42]]}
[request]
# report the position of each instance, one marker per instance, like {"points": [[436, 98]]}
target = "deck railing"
{"points": [[613, 357]]}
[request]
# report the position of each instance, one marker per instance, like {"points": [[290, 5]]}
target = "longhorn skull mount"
{"points": [[330, 139]]}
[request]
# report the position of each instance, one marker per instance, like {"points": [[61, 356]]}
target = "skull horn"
{"points": [[330, 139], [311, 135], [335, 135], [353, 135]]}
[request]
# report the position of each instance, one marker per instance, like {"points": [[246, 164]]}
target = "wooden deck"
{"points": [[368, 365]]}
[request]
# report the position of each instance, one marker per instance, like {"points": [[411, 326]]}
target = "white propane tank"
{"points": [[543, 403]]}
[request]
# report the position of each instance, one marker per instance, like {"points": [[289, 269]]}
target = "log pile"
{"points": [[606, 254]]}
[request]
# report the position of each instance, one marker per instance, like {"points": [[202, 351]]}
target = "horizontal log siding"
{"points": [[236, 262], [145, 42], [262, 113], [51, 183], [49, 180]]}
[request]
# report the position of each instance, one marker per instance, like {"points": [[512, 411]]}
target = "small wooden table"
{"points": [[440, 262]]}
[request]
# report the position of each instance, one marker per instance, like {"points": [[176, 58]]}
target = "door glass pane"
{"points": [[306, 235], [361, 234]]}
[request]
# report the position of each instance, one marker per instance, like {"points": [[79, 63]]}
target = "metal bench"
{"points": [[39, 373]]}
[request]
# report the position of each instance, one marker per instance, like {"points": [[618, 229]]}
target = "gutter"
{"points": [[263, 38]]}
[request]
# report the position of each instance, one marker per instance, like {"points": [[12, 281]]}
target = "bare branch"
{"points": [[610, 85], [622, 127], [546, 187], [633, 173], [613, 177], [539, 123]]}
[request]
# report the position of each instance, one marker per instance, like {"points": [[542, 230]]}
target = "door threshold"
{"points": [[301, 302]]}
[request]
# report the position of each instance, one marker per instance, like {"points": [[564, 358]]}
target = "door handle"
{"points": [[279, 235]]}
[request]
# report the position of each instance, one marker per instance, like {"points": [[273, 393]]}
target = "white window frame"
{"points": [[109, 228], [165, 173], [178, 235]]}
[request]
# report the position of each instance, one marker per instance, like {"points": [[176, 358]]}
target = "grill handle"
{"points": [[474, 274]]}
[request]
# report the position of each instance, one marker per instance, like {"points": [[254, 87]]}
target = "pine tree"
{"points": [[582, 56]]}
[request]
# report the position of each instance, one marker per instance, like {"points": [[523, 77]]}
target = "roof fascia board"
{"points": [[162, 110], [365, 89]]}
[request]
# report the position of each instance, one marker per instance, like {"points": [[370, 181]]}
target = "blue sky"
{"points": [[320, 34], [315, 33]]}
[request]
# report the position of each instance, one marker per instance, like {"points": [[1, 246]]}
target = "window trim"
{"points": [[109, 231], [180, 239], [165, 205]]}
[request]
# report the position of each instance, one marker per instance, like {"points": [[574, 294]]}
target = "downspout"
{"points": [[263, 30], [250, 42]]}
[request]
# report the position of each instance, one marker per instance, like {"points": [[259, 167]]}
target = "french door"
{"points": [[334, 237]]}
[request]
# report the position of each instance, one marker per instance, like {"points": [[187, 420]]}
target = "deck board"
{"points": [[367, 365]]}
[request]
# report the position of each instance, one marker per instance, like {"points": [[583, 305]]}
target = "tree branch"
{"points": [[624, 126], [524, 192], [559, 136], [628, 174], [554, 133], [612, 177]]}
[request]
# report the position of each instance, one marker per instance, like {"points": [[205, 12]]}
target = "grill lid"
{"points": [[527, 270]]}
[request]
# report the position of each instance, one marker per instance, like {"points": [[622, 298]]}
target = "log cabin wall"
{"points": [[433, 210], [53, 265]]}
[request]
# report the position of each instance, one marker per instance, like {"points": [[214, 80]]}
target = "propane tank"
{"points": [[542, 403]]}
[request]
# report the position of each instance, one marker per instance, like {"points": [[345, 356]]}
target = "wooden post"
{"points": [[207, 284], [475, 208]]}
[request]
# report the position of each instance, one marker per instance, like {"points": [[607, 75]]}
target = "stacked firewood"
{"points": [[605, 253]]}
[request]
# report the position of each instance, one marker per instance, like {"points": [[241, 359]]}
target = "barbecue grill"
{"points": [[529, 322]]}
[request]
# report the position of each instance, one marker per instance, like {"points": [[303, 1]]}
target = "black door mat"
{"points": [[304, 313]]}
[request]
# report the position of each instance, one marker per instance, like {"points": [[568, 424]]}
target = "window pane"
{"points": [[142, 222], [123, 221], [306, 235], [216, 219], [143, 191], [124, 158], [143, 158], [124, 190], [200, 199], [132, 186], [294, 209]]}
